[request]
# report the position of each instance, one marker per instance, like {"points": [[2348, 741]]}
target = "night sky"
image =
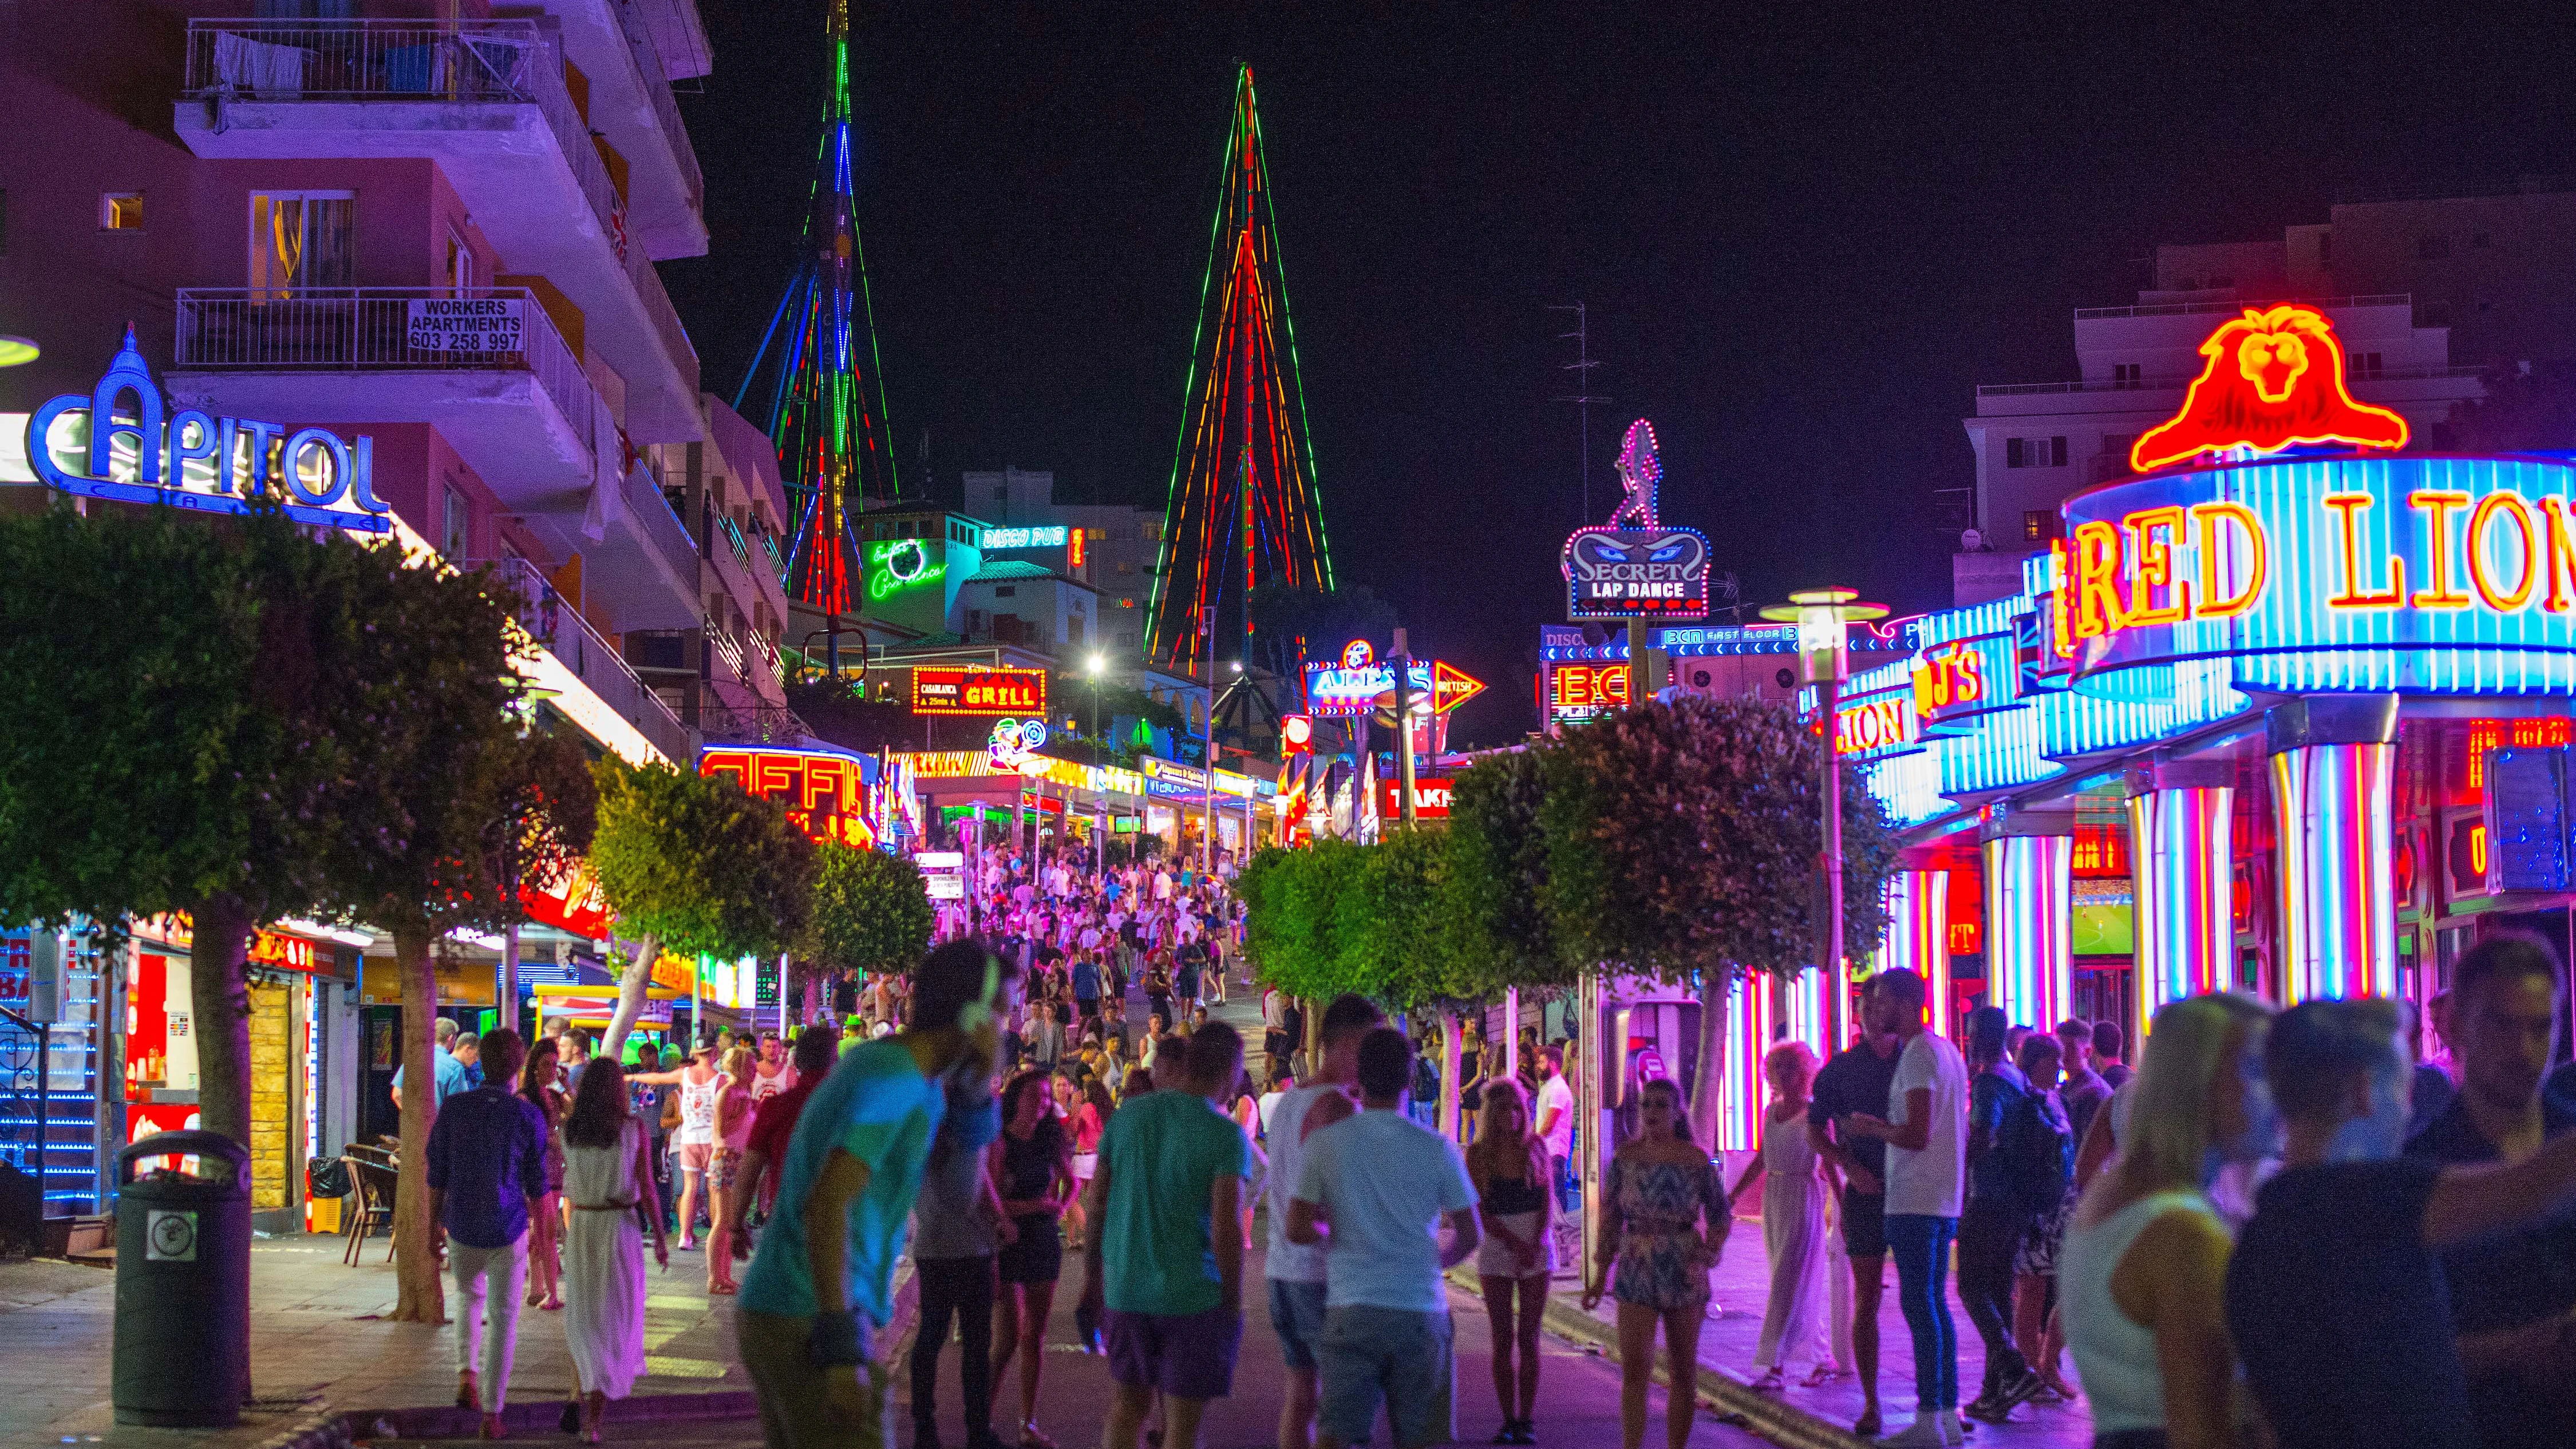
{"points": [[1804, 237]]}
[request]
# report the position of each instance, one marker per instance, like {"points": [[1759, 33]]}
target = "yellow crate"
{"points": [[322, 1214]]}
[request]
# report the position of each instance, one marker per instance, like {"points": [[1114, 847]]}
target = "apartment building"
{"points": [[434, 224]]}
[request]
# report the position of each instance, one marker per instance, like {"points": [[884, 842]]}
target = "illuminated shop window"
{"points": [[121, 211]]}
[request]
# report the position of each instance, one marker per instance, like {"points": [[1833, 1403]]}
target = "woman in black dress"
{"points": [[1032, 1165]]}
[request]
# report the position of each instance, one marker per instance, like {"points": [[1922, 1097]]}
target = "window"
{"points": [[2125, 375], [1073, 629], [2432, 248], [2117, 445], [121, 211], [1152, 529], [302, 239], [2366, 364], [2035, 452], [1001, 495], [456, 540], [1006, 591], [1126, 638], [2039, 525], [1126, 566], [460, 264]]}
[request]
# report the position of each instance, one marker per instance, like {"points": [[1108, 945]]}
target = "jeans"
{"points": [[963, 1286], [487, 1350], [1371, 1356], [1989, 1233], [1921, 1247]]}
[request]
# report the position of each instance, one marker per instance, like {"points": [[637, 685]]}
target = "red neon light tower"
{"points": [[1243, 509], [824, 402]]}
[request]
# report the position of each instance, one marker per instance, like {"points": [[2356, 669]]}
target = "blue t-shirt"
{"points": [[446, 1079], [1164, 1152], [1086, 981], [487, 1152], [877, 1107], [1991, 1098], [1383, 1180]]}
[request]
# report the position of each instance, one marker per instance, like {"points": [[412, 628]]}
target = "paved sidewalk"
{"points": [[319, 1345]]}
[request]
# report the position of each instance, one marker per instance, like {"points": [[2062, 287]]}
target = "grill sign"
{"points": [[979, 691]]}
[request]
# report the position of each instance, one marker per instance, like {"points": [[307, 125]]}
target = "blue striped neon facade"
{"points": [[2030, 929], [1918, 935], [2183, 854]]}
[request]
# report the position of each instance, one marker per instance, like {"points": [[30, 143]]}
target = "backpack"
{"points": [[2039, 1155], [1426, 1081]]}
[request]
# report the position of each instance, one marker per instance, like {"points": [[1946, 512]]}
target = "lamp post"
{"points": [[1824, 618]]}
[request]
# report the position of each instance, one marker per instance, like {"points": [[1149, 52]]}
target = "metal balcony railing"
{"points": [[2175, 384], [657, 89], [506, 62], [768, 724], [382, 329], [653, 513], [2194, 309], [553, 622]]}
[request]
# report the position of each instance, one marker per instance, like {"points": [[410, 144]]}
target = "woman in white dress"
{"points": [[1793, 1222], [606, 1173]]}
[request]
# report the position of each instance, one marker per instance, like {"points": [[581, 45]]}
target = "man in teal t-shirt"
{"points": [[1167, 1261], [821, 1281]]}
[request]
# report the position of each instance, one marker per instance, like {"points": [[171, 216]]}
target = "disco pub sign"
{"points": [[1635, 567]]}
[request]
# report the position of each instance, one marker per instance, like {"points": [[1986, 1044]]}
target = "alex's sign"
{"points": [[120, 441]]}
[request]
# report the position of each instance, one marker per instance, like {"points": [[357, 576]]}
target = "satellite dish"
{"points": [[1594, 636], [1972, 541]]}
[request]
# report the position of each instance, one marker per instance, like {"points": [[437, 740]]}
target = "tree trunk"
{"points": [[219, 999], [630, 997], [1712, 1059], [420, 1297]]}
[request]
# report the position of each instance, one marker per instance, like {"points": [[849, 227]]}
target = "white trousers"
{"points": [[487, 1349]]}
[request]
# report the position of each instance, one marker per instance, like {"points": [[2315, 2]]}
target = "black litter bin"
{"points": [[183, 1283]]}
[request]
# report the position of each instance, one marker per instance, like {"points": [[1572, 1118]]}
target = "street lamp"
{"points": [[1092, 666], [1824, 618]]}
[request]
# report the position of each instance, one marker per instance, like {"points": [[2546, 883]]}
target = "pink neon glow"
{"points": [[2338, 877]]}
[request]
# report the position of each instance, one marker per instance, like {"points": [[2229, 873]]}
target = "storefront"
{"points": [[304, 1053], [2312, 707]]}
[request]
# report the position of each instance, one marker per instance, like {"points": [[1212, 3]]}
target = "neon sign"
{"points": [[822, 790], [979, 691], [2274, 379], [1357, 654], [996, 540], [901, 563], [1014, 740], [1635, 568], [1874, 725], [1950, 677], [84, 446], [1578, 692], [2408, 573]]}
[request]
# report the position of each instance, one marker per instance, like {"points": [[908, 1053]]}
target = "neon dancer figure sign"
{"points": [[1635, 568], [121, 441], [2274, 379]]}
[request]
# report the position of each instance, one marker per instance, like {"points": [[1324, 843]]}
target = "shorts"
{"points": [[1394, 1355], [795, 1410], [1864, 1224], [1274, 1042], [2037, 1256], [722, 1168], [694, 1156], [1297, 1316], [1088, 1007], [1086, 1166], [1036, 1255], [1187, 1356]]}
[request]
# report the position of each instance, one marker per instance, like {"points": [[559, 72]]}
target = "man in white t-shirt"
{"points": [[1296, 1271], [1374, 1191], [1555, 1109], [772, 1074], [1926, 1131]]}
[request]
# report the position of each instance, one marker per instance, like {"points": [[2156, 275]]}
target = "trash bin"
{"points": [[183, 1283]]}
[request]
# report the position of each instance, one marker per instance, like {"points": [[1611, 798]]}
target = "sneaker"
{"points": [[1953, 1433], [2017, 1388], [1923, 1433]]}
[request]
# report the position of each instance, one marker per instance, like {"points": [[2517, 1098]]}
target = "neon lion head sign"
{"points": [[2274, 379]]}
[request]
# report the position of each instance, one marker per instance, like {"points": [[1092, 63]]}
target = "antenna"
{"points": [[1584, 397]]}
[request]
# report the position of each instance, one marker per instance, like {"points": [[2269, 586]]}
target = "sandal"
{"points": [[1769, 1383], [1821, 1375], [1031, 1438], [551, 1305], [718, 1290]]}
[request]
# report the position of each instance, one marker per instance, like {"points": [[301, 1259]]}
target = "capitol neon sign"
{"points": [[190, 458]]}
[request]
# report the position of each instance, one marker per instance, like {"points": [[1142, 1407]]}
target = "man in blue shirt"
{"points": [[448, 1076], [487, 1173], [821, 1281], [1086, 987]]}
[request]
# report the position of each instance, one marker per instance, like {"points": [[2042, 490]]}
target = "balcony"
{"points": [[553, 622], [637, 560], [509, 397], [631, 104], [485, 100]]}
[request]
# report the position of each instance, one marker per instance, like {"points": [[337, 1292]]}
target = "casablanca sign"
{"points": [[1635, 568], [121, 441]]}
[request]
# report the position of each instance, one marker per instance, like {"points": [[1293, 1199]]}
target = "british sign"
{"points": [[979, 691]]}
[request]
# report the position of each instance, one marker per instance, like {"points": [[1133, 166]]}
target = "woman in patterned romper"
{"points": [[1660, 1189]]}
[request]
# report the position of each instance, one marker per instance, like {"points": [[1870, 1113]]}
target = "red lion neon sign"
{"points": [[2274, 378]]}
